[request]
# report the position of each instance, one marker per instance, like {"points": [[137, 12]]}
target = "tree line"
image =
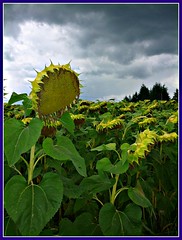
{"points": [[158, 92]]}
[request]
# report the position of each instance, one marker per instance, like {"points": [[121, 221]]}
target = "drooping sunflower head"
{"points": [[104, 126], [54, 89], [78, 119], [168, 137], [147, 121]]}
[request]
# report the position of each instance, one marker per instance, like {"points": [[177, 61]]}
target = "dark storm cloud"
{"points": [[127, 23], [117, 47]]}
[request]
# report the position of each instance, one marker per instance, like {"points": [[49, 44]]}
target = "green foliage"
{"points": [[105, 147], [83, 225], [65, 150], [17, 97], [96, 183], [22, 138], [105, 164], [31, 207], [27, 103], [67, 122], [120, 223], [138, 197], [118, 181]]}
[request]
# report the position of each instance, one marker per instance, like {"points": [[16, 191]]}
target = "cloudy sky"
{"points": [[115, 47]]}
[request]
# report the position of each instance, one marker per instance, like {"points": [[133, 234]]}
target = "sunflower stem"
{"points": [[31, 164], [112, 199]]}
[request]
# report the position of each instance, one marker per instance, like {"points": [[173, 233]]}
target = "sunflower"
{"points": [[147, 121], [110, 124], [168, 137], [96, 107], [145, 141], [78, 119], [54, 89], [173, 118]]}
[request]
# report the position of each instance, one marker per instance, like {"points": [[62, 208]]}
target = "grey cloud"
{"points": [[8, 56], [48, 13], [140, 72], [164, 44], [122, 22], [104, 40], [122, 86]]}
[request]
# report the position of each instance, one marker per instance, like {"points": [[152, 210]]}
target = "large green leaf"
{"points": [[65, 150], [96, 183], [27, 104], [71, 190], [10, 228], [54, 150], [117, 223], [17, 97], [105, 147], [7, 172], [86, 203], [105, 165], [32, 206], [83, 225], [124, 148], [138, 197], [19, 138], [67, 228], [68, 122]]}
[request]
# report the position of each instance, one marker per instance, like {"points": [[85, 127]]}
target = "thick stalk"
{"points": [[114, 189], [31, 164]]}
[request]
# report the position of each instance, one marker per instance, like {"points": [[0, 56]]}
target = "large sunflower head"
{"points": [[54, 89]]}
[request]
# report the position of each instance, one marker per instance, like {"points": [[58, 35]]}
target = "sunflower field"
{"points": [[81, 168]]}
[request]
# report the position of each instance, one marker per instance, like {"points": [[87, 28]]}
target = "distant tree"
{"points": [[134, 97], [126, 99], [155, 92], [175, 97], [165, 94], [144, 93], [129, 98], [159, 92]]}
